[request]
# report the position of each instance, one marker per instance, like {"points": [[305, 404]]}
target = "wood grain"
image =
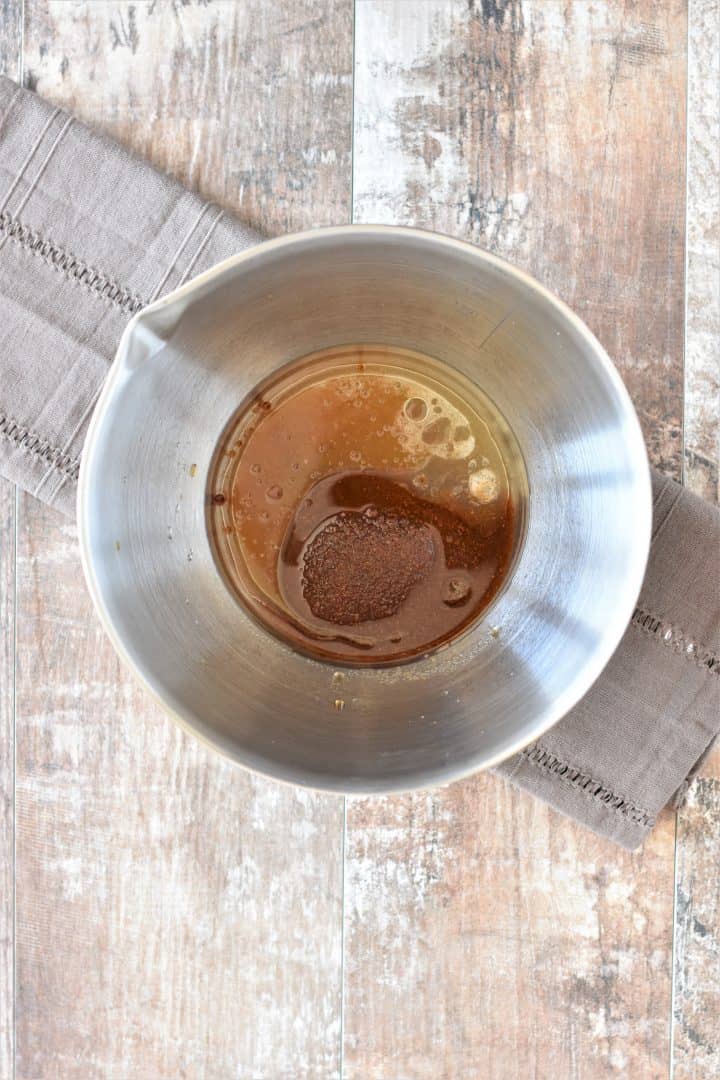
{"points": [[487, 936], [551, 132], [696, 996], [10, 37], [7, 756], [247, 103], [176, 916], [702, 342], [484, 933], [696, 1047]]}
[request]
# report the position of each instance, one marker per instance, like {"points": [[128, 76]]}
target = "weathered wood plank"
{"points": [[484, 932], [486, 936], [176, 916], [247, 103], [7, 757], [10, 36], [696, 1047], [696, 997], [702, 340], [551, 132]]}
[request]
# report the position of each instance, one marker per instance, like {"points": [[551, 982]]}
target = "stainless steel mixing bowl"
{"points": [[183, 367]]}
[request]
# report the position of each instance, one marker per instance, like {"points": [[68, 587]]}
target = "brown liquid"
{"points": [[362, 508]]}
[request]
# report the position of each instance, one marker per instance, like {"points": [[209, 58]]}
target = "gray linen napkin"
{"points": [[90, 234]]}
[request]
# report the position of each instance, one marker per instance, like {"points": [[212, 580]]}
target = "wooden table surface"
{"points": [[165, 914]]}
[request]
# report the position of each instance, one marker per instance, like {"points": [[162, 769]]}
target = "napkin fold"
{"points": [[90, 234]]}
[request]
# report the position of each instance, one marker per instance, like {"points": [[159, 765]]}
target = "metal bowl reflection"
{"points": [[184, 365]]}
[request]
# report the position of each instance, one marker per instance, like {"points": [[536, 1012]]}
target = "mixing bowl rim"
{"points": [[576, 689]]}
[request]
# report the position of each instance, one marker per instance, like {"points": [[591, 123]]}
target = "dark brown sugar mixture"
{"points": [[360, 543], [361, 567], [362, 509]]}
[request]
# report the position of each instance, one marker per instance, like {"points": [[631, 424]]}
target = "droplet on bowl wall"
{"points": [[339, 704], [193, 469]]}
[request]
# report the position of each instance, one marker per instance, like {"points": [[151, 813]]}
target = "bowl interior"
{"points": [[184, 366]]}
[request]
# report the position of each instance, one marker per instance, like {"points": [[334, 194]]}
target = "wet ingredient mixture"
{"points": [[362, 505]]}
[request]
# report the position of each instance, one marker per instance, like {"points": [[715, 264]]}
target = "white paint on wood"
{"points": [[484, 933], [176, 916], [696, 974], [10, 64], [702, 332], [696, 998], [7, 770], [531, 127]]}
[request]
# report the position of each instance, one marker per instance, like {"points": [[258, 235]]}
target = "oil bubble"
{"points": [[436, 432], [483, 486], [415, 409]]}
